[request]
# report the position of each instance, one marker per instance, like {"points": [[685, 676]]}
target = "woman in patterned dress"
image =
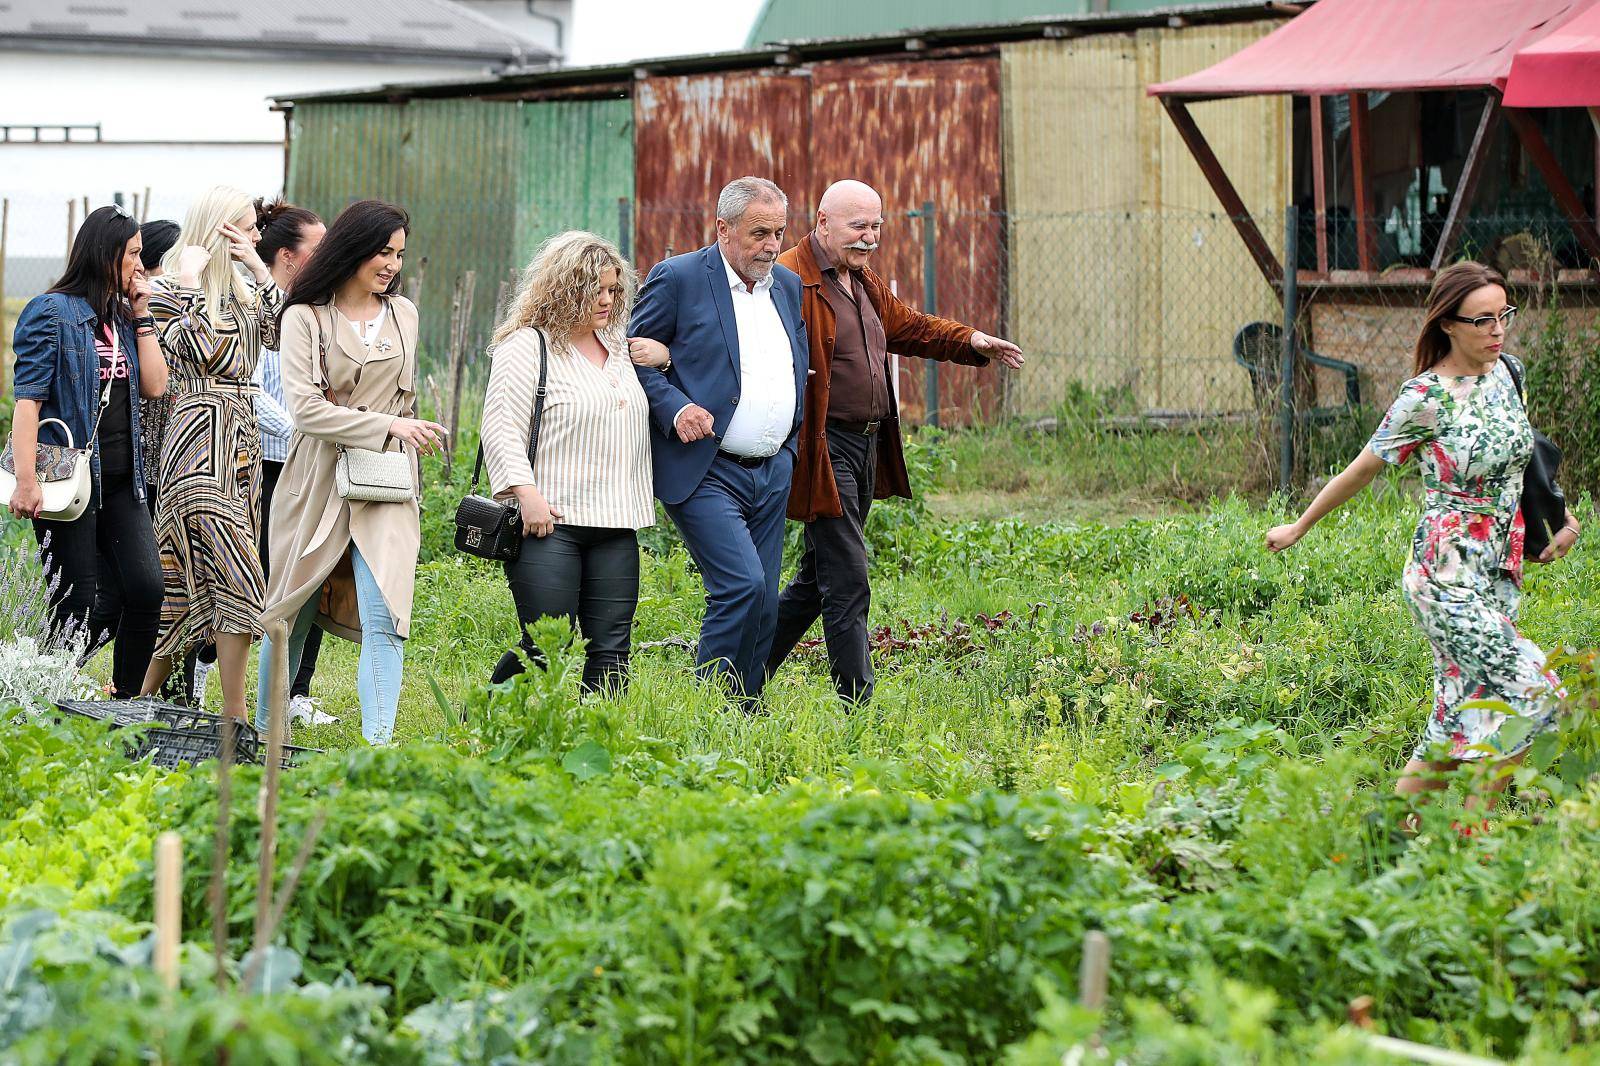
{"points": [[1462, 418], [213, 325]]}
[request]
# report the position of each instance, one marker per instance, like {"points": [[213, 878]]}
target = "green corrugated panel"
{"points": [[452, 164], [793, 20], [578, 163]]}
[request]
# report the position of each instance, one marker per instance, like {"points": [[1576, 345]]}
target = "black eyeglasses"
{"points": [[1485, 323]]}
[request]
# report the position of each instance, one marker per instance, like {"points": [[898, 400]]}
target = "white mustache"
{"points": [[862, 246]]}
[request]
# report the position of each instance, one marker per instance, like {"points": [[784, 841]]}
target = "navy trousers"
{"points": [[732, 525]]}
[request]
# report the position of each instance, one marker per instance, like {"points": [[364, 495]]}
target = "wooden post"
{"points": [[85, 209], [460, 324], [1555, 178], [1200, 148], [277, 721], [169, 903], [1467, 187], [1594, 120], [144, 207], [72, 226], [1095, 970], [1319, 181], [220, 850], [1361, 163]]}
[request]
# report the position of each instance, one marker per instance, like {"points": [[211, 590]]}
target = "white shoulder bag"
{"points": [[361, 474], [66, 474]]}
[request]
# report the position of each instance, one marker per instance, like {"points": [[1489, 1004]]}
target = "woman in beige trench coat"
{"points": [[349, 351]]}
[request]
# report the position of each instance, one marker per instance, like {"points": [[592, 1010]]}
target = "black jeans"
{"points": [[832, 579], [585, 574], [113, 537], [301, 686]]}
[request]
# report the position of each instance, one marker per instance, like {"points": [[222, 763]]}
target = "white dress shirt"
{"points": [[763, 411]]}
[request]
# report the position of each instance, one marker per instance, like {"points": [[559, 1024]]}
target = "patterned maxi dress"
{"points": [[208, 512], [1464, 575]]}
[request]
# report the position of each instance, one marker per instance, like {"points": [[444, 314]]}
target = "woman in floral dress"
{"points": [[1463, 420], [213, 325]]}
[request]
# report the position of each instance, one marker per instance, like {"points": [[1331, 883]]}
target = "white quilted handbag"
{"points": [[373, 477]]}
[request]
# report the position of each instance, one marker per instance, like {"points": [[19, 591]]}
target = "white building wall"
{"points": [[165, 105]]}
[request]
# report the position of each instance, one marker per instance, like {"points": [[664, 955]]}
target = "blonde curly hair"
{"points": [[558, 289]]}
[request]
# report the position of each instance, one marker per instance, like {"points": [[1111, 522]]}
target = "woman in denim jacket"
{"points": [[91, 331]]}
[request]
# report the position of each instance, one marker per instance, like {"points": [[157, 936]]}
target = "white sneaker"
{"points": [[303, 709], [198, 695]]}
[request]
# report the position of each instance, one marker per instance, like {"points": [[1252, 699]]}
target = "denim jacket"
{"points": [[58, 365]]}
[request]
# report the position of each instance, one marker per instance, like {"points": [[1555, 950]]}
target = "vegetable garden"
{"points": [[1149, 728]]}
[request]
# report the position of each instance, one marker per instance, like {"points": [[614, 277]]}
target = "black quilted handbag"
{"points": [[485, 527], [1544, 505]]}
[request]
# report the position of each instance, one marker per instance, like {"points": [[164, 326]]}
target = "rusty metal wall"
{"points": [[925, 130], [915, 129], [693, 135]]}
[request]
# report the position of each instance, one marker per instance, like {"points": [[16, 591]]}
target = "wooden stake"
{"points": [[72, 225], [144, 206], [460, 324], [1095, 971], [1361, 164], [1319, 180], [219, 862], [169, 902], [277, 720]]}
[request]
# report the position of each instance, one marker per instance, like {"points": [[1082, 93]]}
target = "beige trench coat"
{"points": [[312, 528]]}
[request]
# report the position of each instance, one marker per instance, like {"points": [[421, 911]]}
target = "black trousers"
{"points": [[832, 579], [301, 685], [113, 540], [590, 576]]}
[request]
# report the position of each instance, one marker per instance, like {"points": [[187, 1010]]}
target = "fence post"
{"points": [[625, 228], [930, 296], [1291, 310]]}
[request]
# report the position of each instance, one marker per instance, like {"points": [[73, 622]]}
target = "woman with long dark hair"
{"points": [[289, 235], [1463, 420], [212, 324], [344, 561], [85, 352]]}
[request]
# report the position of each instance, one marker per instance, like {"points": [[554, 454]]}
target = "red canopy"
{"points": [[1343, 46], [1560, 70]]}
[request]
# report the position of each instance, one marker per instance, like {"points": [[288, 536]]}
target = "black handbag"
{"points": [[1544, 505], [486, 527]]}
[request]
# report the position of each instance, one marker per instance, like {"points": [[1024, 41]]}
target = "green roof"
{"points": [[800, 20]]}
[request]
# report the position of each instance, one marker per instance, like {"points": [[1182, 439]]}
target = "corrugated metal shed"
{"points": [[1120, 255], [920, 131], [484, 183], [695, 134], [795, 20], [885, 122]]}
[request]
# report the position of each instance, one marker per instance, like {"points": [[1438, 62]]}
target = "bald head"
{"points": [[850, 222]]}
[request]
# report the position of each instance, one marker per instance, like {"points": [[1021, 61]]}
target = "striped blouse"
{"points": [[593, 461]]}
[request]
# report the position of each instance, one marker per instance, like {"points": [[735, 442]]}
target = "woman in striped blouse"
{"points": [[587, 491]]}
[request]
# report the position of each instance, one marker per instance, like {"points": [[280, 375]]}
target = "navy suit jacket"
{"points": [[686, 304]]}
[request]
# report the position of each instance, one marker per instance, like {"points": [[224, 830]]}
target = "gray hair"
{"points": [[737, 196]]}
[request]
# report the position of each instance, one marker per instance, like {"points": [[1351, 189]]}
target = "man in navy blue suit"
{"points": [[724, 413]]}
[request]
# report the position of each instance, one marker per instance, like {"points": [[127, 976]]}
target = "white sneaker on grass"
{"points": [[303, 709]]}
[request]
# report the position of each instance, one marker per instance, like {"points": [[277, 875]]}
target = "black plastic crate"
{"points": [[173, 734]]}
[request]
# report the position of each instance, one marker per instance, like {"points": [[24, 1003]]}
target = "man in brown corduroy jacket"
{"points": [[850, 451]]}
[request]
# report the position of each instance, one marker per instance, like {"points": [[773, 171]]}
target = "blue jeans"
{"points": [[382, 656]]}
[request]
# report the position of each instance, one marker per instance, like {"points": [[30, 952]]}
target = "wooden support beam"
{"points": [[1200, 148], [1467, 187], [1555, 178], [1361, 163], [1319, 181], [1594, 120]]}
